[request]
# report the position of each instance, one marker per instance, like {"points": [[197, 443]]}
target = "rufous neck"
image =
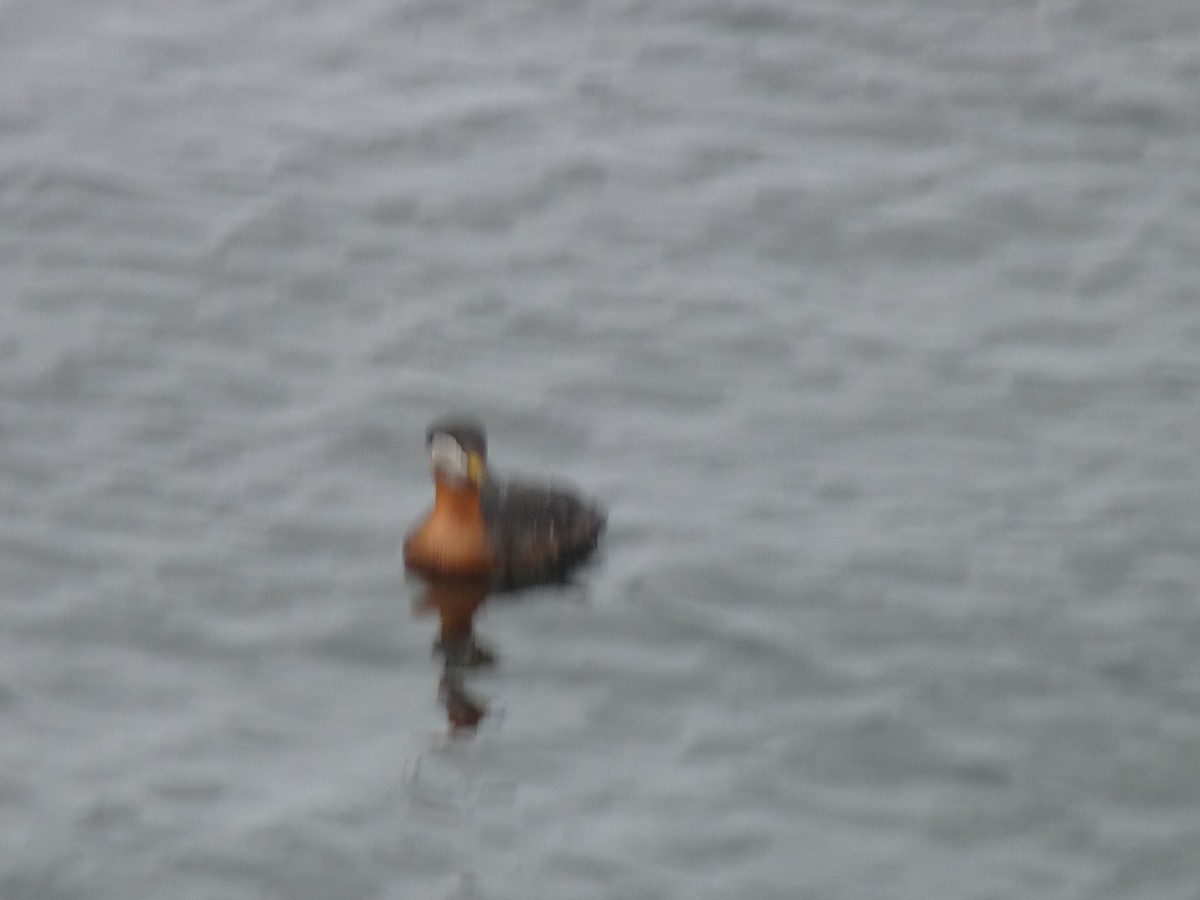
{"points": [[456, 497]]}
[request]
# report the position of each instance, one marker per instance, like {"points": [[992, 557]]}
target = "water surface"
{"points": [[874, 325]]}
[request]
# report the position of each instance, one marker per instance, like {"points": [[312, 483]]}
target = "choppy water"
{"points": [[875, 324]]}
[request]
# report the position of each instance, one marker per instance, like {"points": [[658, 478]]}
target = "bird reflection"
{"points": [[456, 600], [485, 533]]}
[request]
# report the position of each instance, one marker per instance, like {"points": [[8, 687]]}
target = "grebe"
{"points": [[512, 533]]}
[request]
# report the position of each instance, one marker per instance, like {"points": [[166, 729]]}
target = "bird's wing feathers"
{"points": [[539, 531]]}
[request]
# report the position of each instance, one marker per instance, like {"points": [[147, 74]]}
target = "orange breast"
{"points": [[452, 540]]}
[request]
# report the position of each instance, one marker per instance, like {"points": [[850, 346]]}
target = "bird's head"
{"points": [[457, 451]]}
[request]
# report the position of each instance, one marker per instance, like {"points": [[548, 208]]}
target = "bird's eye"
{"points": [[447, 456]]}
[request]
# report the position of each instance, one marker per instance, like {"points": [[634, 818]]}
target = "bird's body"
{"points": [[453, 539], [513, 533], [539, 532]]}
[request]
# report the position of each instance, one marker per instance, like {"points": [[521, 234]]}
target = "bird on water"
{"points": [[510, 533]]}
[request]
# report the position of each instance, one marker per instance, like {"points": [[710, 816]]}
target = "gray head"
{"points": [[457, 449]]}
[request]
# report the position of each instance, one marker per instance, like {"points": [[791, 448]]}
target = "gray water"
{"points": [[875, 324]]}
